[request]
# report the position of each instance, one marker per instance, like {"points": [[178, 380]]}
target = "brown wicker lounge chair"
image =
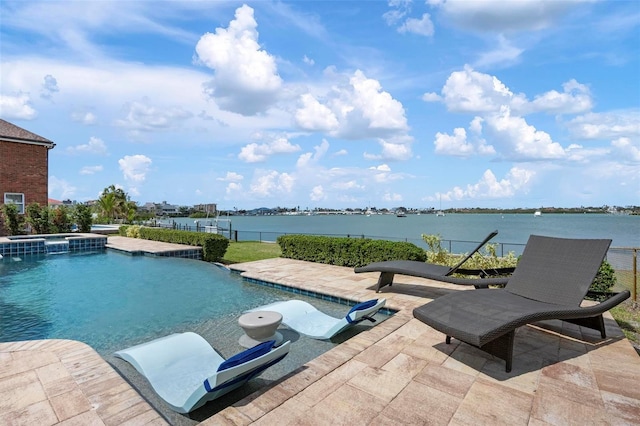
{"points": [[436, 272], [550, 282]]}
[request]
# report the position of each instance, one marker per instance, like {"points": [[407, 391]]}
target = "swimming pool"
{"points": [[111, 300]]}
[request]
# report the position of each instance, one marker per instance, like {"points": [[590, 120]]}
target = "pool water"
{"points": [[111, 300]]}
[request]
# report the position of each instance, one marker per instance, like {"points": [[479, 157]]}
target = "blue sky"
{"points": [[331, 103]]}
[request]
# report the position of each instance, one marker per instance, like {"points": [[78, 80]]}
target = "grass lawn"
{"points": [[249, 251]]}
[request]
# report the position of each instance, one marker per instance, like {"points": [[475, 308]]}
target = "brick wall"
{"points": [[24, 168]]}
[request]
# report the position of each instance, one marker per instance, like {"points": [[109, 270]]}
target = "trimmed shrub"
{"points": [[213, 246], [351, 252], [133, 231], [605, 279]]}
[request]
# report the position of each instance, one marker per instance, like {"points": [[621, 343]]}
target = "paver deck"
{"points": [[398, 372]]}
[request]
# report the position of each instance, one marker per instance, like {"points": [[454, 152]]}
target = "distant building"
{"points": [[161, 209], [24, 167], [210, 209]]}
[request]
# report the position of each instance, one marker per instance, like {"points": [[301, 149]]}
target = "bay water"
{"points": [[513, 229]]}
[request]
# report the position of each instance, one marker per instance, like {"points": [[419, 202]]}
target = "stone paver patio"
{"points": [[398, 372]]}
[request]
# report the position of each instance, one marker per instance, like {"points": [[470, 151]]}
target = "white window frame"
{"points": [[8, 200]]}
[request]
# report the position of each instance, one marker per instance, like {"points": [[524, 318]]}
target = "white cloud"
{"points": [[135, 167], [90, 170], [381, 168], [514, 138], [308, 159], [84, 117], [143, 117], [392, 197], [517, 180], [17, 107], [234, 189], [60, 189], [607, 125], [317, 193], [422, 26], [308, 60], [95, 146], [246, 77], [254, 153], [474, 92], [315, 116], [431, 97], [269, 183], [629, 150], [575, 99], [355, 109], [231, 177], [460, 145]]}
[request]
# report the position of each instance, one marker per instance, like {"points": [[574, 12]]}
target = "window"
{"points": [[14, 198]]}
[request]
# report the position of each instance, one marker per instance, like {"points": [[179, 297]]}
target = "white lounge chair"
{"points": [[187, 372], [306, 319]]}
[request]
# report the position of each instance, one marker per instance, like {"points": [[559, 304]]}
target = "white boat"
{"points": [[537, 213], [439, 213]]}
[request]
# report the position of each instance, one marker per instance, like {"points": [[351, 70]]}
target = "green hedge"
{"points": [[214, 246], [352, 252]]}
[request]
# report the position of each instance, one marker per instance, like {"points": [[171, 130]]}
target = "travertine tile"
{"points": [[491, 403], [446, 380], [39, 413], [20, 391], [70, 404], [420, 404], [348, 405]]}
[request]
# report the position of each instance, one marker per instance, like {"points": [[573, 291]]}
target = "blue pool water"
{"points": [[111, 300]]}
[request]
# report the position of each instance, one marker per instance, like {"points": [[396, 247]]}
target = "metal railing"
{"points": [[624, 260]]}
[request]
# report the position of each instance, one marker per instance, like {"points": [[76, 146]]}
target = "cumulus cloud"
{"points": [[607, 125], [17, 107], [231, 177], [517, 180], [246, 79], [95, 146], [460, 145], [90, 170], [308, 159], [270, 182], [422, 26], [519, 140], [355, 109], [308, 60], [474, 92], [312, 115], [135, 167], [255, 153], [575, 99], [628, 149], [317, 193]]}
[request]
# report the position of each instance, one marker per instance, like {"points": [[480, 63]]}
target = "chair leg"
{"points": [[448, 340], [502, 347], [386, 278]]}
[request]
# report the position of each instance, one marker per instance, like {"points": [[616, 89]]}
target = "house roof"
{"points": [[12, 133]]}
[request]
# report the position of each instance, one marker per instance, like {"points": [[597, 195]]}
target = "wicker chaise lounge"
{"points": [[414, 268], [550, 282]]}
